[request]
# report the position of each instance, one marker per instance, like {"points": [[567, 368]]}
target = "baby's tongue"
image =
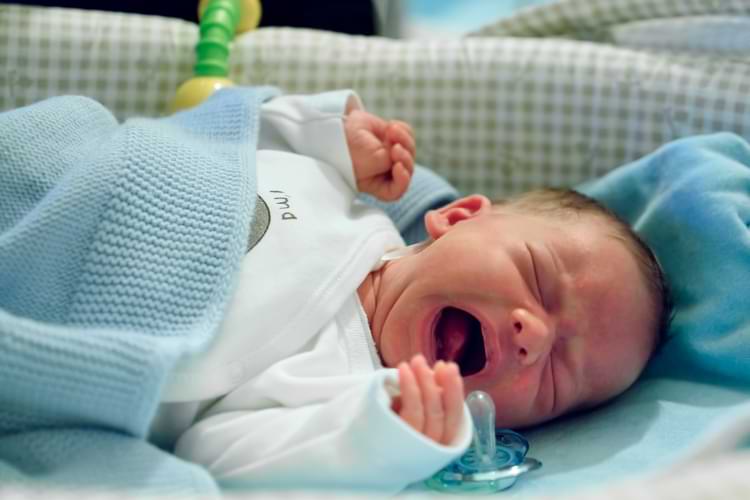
{"points": [[454, 330]]}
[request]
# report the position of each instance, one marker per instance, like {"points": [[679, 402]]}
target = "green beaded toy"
{"points": [[219, 21]]}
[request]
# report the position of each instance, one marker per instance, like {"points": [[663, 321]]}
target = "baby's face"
{"points": [[547, 315]]}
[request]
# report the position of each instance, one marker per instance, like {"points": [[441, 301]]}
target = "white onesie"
{"points": [[292, 392]]}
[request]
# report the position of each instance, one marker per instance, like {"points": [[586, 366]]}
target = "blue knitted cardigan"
{"points": [[119, 246]]}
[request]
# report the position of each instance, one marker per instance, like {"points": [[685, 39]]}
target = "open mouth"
{"points": [[458, 338]]}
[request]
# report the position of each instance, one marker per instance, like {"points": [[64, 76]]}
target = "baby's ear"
{"points": [[440, 221]]}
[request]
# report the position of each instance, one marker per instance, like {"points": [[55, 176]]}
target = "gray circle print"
{"points": [[259, 225]]}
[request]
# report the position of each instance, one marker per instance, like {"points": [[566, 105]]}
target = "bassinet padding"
{"points": [[492, 114], [718, 29], [581, 18]]}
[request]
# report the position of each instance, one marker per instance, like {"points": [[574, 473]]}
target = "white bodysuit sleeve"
{"points": [[311, 125], [354, 440]]}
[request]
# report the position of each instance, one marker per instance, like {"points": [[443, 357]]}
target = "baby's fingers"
{"points": [[400, 133], [410, 406], [449, 378], [432, 399], [399, 182], [391, 186], [399, 154]]}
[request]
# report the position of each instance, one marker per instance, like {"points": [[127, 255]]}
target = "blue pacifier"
{"points": [[494, 462]]}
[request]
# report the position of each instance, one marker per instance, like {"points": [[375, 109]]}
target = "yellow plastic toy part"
{"points": [[250, 12], [196, 90]]}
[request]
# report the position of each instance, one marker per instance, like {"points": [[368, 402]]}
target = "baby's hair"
{"points": [[569, 203]]}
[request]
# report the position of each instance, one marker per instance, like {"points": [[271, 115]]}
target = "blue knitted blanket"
{"points": [[118, 250]]}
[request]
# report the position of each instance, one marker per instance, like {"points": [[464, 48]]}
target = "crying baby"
{"points": [[360, 352]]}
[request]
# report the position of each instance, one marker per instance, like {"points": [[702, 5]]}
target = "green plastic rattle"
{"points": [[219, 21]]}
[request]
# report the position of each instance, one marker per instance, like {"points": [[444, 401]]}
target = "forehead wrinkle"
{"points": [[590, 288], [573, 324], [615, 357]]}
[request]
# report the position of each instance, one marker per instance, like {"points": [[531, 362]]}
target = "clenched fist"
{"points": [[382, 153]]}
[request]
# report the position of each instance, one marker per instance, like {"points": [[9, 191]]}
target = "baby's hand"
{"points": [[382, 154], [431, 399]]}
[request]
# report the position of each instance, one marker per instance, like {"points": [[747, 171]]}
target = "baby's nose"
{"points": [[533, 336]]}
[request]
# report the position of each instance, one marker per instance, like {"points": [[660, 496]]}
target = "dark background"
{"points": [[356, 17]]}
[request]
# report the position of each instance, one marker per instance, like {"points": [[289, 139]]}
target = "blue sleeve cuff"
{"points": [[427, 191]]}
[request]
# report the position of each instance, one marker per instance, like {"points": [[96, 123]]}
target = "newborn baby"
{"points": [[546, 302]]}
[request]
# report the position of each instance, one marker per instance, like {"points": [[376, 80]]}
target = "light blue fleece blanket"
{"points": [[690, 200], [119, 244]]}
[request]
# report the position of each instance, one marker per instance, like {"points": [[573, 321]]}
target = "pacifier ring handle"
{"points": [[528, 465]]}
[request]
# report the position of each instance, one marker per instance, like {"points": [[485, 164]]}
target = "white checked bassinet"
{"points": [[552, 96], [499, 112]]}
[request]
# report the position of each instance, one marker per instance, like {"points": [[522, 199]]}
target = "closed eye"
{"points": [[535, 272]]}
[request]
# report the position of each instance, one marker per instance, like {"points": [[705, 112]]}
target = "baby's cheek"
{"points": [[575, 346], [515, 398]]}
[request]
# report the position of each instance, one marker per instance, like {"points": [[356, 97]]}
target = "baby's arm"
{"points": [[353, 440], [312, 126]]}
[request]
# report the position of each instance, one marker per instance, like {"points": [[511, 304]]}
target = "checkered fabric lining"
{"points": [[727, 36], [581, 17], [495, 115]]}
